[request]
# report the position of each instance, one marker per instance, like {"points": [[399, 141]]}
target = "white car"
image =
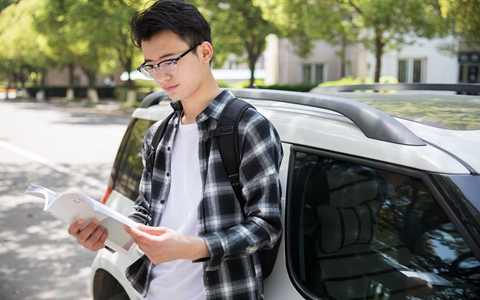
{"points": [[373, 203]]}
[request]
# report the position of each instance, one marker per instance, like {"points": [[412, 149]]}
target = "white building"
{"points": [[422, 62]]}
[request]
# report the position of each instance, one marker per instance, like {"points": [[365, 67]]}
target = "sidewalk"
{"points": [[110, 107], [103, 107]]}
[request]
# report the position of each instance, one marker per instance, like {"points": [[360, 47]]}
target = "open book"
{"points": [[73, 205]]}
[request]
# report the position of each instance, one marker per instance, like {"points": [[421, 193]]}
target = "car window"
{"points": [[355, 232], [128, 167]]}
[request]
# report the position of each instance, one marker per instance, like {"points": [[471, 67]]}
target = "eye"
{"points": [[168, 63]]}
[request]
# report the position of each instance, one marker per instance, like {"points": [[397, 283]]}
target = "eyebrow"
{"points": [[161, 57]]}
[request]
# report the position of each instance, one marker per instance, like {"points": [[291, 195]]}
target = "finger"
{"points": [[97, 234], [86, 232], [100, 243], [95, 238], [137, 235], [75, 227], [151, 230]]}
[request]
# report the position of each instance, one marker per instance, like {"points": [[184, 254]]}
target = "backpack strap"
{"points": [[158, 135], [227, 137]]}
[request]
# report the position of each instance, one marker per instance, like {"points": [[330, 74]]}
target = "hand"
{"points": [[91, 237], [418, 287], [162, 244]]}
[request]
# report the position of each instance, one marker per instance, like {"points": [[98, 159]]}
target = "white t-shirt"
{"points": [[181, 279]]}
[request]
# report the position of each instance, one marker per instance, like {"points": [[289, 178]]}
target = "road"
{"points": [[61, 148]]}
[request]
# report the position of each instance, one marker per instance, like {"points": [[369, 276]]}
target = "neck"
{"points": [[197, 102]]}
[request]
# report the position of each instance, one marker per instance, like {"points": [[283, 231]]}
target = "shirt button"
{"points": [[168, 174], [168, 148], [162, 201]]}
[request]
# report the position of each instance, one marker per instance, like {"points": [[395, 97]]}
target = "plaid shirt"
{"points": [[233, 271]]}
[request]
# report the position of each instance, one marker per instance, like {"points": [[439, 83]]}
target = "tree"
{"points": [[393, 24], [464, 17], [50, 20], [88, 41], [238, 27], [95, 35], [381, 26], [5, 3], [20, 45], [117, 28]]}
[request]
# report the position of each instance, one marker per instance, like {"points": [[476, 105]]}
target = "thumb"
{"points": [[151, 230]]}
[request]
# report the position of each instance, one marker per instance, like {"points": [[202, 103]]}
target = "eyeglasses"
{"points": [[168, 67]]}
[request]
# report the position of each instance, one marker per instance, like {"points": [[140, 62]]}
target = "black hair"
{"points": [[178, 16]]}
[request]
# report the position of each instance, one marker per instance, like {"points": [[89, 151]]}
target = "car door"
{"points": [[362, 229]]}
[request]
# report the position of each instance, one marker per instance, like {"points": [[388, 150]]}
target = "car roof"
{"points": [[351, 127], [440, 109]]}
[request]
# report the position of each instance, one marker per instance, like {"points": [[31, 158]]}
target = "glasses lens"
{"points": [[148, 71], [169, 67]]}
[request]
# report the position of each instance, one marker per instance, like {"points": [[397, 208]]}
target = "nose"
{"points": [[162, 77]]}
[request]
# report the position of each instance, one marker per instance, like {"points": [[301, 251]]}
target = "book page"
{"points": [[73, 205], [116, 234], [70, 207], [42, 192], [114, 214]]}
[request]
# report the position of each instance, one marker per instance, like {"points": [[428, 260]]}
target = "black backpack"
{"points": [[227, 136]]}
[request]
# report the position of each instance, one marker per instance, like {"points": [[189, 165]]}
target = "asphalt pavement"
{"points": [[38, 259]]}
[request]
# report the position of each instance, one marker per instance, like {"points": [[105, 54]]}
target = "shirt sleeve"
{"points": [[261, 155], [141, 207]]}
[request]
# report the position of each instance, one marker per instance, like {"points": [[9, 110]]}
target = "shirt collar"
{"points": [[216, 106]]}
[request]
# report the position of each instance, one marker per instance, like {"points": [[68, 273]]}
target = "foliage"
{"points": [[245, 84], [222, 84], [20, 45], [5, 3], [465, 17], [238, 27], [381, 26], [93, 35], [38, 35], [306, 87], [359, 80]]}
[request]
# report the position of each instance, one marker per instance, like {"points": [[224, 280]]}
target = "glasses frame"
{"points": [[145, 69]]}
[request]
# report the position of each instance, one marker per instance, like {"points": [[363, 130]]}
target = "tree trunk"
{"points": [[126, 62], [378, 54], [41, 96], [251, 65], [92, 92], [131, 92], [131, 96], [92, 95], [343, 57], [253, 51], [70, 87]]}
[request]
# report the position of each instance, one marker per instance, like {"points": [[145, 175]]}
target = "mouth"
{"points": [[170, 88]]}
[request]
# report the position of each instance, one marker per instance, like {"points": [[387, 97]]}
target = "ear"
{"points": [[206, 52]]}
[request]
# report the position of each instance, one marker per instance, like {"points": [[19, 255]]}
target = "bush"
{"points": [[305, 87], [79, 92]]}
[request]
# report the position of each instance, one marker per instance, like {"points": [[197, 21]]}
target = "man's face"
{"points": [[166, 45]]}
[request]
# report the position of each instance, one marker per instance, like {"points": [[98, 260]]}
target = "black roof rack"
{"points": [[153, 98], [374, 123]]}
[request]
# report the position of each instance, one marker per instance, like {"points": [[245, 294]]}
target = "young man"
{"points": [[187, 202]]}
